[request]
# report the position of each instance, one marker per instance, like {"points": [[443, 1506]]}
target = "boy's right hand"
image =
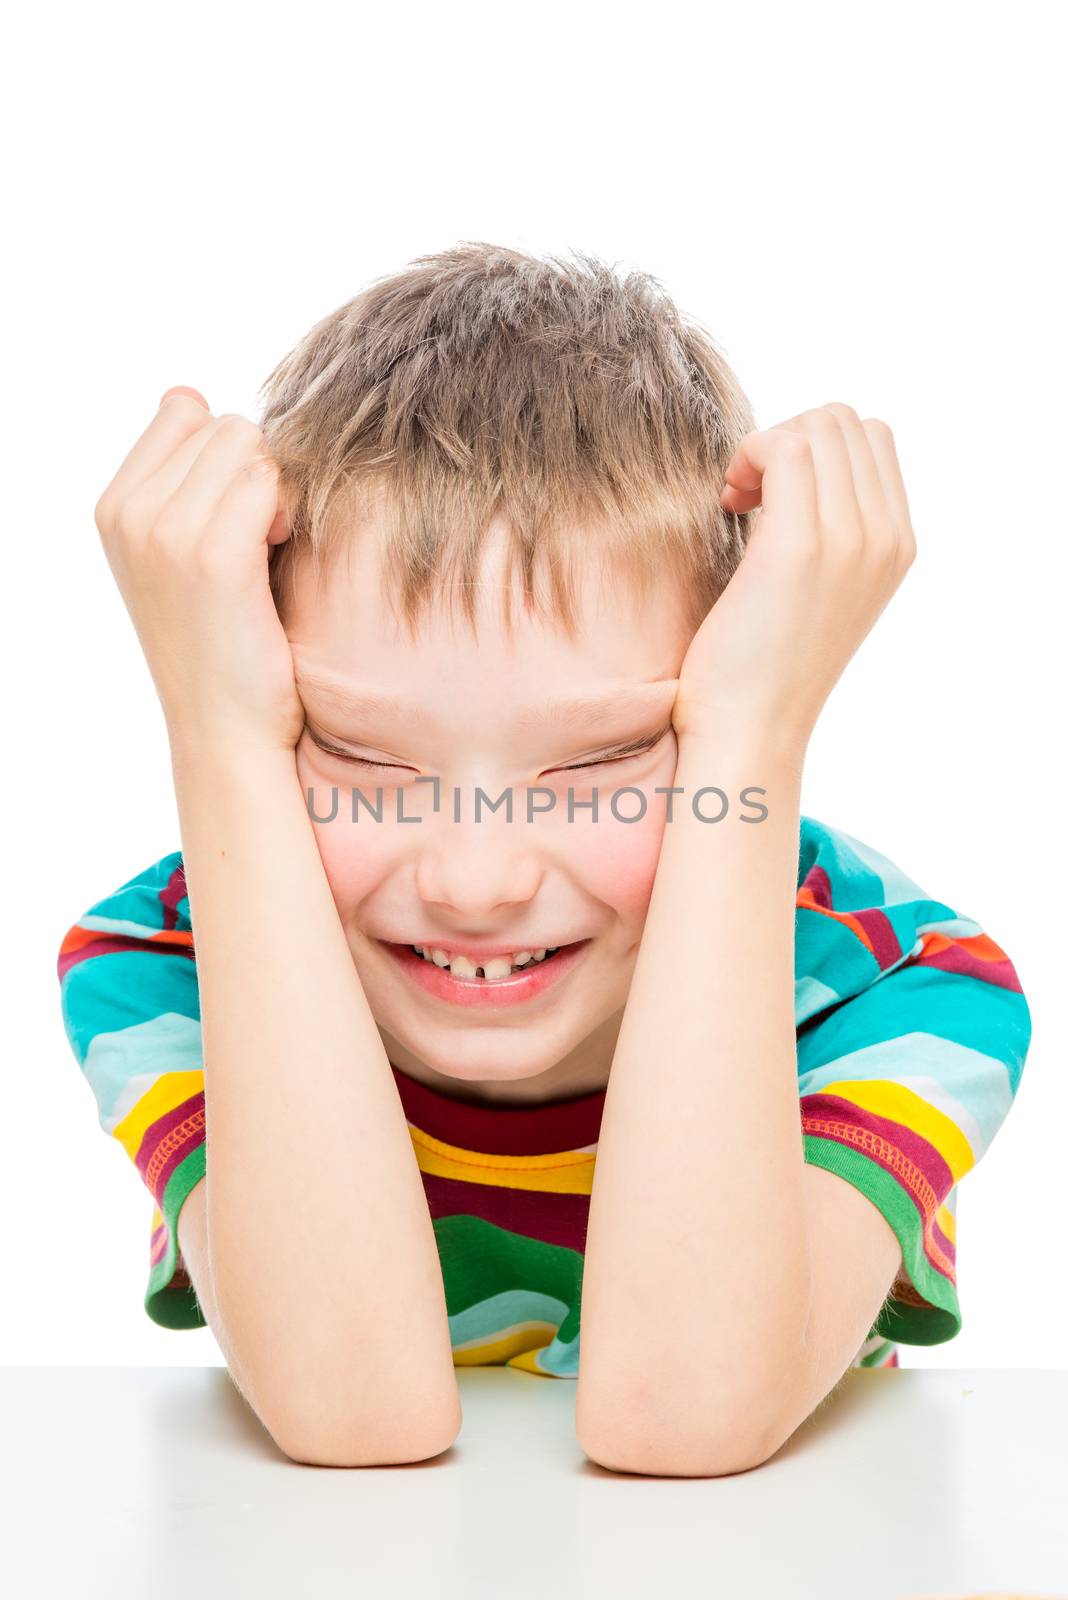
{"points": [[186, 523]]}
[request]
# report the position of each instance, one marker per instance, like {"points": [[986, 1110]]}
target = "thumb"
{"points": [[183, 388]]}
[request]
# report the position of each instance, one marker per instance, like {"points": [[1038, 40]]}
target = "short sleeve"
{"points": [[912, 1032], [131, 1011]]}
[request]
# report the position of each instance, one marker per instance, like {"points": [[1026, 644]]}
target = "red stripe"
{"points": [[534, 1213], [885, 945], [111, 943], [912, 1160], [167, 1142], [955, 958], [818, 885], [503, 1131], [174, 891]]}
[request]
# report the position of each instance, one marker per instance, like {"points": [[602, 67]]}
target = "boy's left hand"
{"points": [[830, 544]]}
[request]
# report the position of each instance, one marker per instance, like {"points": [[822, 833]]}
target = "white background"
{"points": [[862, 203]]}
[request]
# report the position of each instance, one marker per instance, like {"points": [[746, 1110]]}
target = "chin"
{"points": [[493, 1065]]}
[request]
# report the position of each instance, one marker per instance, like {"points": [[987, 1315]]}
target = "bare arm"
{"points": [[312, 1248], [696, 1288], [317, 1260], [711, 1324]]}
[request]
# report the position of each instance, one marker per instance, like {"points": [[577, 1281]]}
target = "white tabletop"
{"points": [[159, 1481]]}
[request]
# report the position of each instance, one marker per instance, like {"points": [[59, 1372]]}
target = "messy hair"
{"points": [[483, 382]]}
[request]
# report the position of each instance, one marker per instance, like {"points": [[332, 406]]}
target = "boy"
{"points": [[476, 908]]}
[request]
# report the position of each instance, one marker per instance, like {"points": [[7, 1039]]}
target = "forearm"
{"points": [[323, 1260], [696, 1280]]}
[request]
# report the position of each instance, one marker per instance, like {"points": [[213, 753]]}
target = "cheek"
{"points": [[616, 861], [352, 853], [350, 861]]}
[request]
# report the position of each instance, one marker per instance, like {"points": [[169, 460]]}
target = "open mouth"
{"points": [[490, 971], [469, 985]]}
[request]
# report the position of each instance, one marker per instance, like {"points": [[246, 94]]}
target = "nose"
{"points": [[475, 872]]}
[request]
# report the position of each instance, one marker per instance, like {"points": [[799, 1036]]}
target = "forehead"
{"points": [[346, 629]]}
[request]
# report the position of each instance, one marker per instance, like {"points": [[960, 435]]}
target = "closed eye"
{"points": [[610, 758], [624, 753], [330, 749], [362, 761]]}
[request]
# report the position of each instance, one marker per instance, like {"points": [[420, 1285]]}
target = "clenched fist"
{"points": [[186, 523], [831, 542]]}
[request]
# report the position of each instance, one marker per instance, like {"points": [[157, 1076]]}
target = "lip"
{"points": [[520, 988]]}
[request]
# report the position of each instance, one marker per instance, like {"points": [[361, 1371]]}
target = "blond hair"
{"points": [[484, 382]]}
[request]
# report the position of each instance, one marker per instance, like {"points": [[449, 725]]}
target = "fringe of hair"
{"points": [[485, 383]]}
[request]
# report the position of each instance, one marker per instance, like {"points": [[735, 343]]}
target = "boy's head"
{"points": [[502, 476]]}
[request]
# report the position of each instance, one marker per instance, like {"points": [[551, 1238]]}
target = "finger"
{"points": [[773, 468], [174, 423], [867, 483], [165, 482], [281, 527], [736, 499], [234, 445], [182, 388], [247, 509], [884, 454], [836, 495]]}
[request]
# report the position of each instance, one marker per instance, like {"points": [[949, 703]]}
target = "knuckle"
{"points": [[257, 468], [875, 428], [133, 514], [820, 419], [883, 536], [795, 447], [104, 512], [840, 409], [232, 422], [885, 551]]}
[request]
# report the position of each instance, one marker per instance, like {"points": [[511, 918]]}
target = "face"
{"points": [[498, 714]]}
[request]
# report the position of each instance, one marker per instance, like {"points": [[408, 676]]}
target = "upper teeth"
{"points": [[499, 967]]}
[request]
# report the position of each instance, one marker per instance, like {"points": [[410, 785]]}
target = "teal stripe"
{"points": [[981, 1085], [982, 1018], [108, 993], [488, 1319], [121, 1067]]}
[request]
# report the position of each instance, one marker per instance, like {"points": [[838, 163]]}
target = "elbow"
{"points": [[360, 1445], [665, 1455], [658, 1443], [363, 1443], [318, 1431]]}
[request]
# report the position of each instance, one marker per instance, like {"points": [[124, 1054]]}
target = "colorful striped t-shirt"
{"points": [[912, 1031]]}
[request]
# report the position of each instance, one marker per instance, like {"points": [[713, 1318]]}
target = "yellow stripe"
{"points": [[498, 1349], [527, 1361], [901, 1104], [559, 1172], [170, 1089]]}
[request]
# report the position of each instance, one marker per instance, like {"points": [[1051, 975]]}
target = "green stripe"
{"points": [[931, 1324], [875, 1356], [480, 1259], [174, 1307]]}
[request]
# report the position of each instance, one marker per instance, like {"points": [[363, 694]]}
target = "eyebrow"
{"points": [[569, 711]]}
